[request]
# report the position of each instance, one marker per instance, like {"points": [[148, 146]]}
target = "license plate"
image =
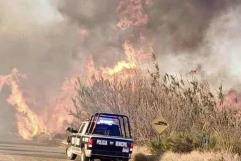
{"points": [[125, 150], [101, 142]]}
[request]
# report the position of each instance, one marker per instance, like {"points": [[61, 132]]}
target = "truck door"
{"points": [[79, 136], [76, 137]]}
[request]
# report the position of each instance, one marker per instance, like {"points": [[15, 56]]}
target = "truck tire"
{"points": [[69, 154], [83, 157]]}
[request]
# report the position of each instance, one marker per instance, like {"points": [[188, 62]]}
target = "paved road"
{"points": [[28, 151], [15, 151]]}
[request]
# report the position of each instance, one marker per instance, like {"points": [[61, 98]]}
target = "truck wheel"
{"points": [[83, 157], [70, 155]]}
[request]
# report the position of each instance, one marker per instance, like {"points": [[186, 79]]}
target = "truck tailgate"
{"points": [[115, 147]]}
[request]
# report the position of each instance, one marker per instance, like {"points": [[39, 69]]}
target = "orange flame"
{"points": [[124, 65], [58, 114], [121, 66], [124, 69], [28, 123]]}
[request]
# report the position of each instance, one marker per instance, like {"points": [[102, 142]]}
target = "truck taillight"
{"points": [[131, 146], [90, 142]]}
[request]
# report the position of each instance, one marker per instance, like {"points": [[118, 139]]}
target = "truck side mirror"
{"points": [[71, 130]]}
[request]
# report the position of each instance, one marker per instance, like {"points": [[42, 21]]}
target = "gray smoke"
{"points": [[195, 33], [182, 25], [178, 31], [99, 18], [50, 40], [39, 43]]}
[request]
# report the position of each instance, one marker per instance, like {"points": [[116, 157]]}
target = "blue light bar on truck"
{"points": [[106, 121]]}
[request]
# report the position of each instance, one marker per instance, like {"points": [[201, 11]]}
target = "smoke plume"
{"points": [[51, 41]]}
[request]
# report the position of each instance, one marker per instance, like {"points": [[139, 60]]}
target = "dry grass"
{"points": [[194, 156], [189, 106], [142, 153], [197, 156]]}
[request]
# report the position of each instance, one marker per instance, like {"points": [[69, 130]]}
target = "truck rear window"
{"points": [[108, 130], [109, 125]]}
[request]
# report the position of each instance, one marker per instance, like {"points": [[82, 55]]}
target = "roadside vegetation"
{"points": [[197, 117]]}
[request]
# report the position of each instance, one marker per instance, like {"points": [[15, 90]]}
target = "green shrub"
{"points": [[184, 142], [202, 140], [161, 145]]}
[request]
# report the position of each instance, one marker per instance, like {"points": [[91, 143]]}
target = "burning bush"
{"points": [[187, 105]]}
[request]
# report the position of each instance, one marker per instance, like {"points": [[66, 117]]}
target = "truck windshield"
{"points": [[108, 130]]}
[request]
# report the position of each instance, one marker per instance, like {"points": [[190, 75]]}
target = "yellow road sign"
{"points": [[159, 124]]}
